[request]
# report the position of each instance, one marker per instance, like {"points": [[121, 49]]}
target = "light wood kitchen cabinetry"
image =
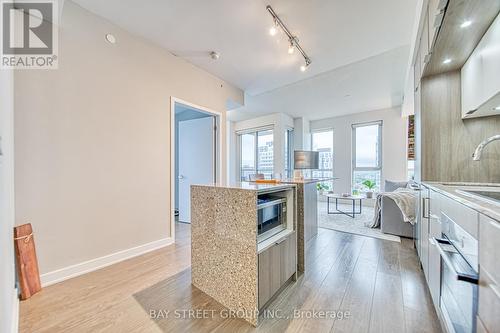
{"points": [[480, 79], [424, 229], [435, 18], [424, 46], [434, 261], [489, 275], [277, 264]]}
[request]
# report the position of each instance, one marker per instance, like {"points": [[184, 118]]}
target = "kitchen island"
{"points": [[307, 213], [243, 243]]}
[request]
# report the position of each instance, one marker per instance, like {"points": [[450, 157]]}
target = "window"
{"points": [[411, 169], [322, 142], [247, 149], [288, 153], [256, 153], [367, 155]]}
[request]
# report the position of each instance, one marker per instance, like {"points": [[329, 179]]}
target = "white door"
{"points": [[196, 159]]}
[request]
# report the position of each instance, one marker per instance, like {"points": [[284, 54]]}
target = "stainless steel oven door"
{"points": [[459, 289]]}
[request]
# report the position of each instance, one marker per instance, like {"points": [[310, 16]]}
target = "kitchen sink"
{"points": [[487, 195]]}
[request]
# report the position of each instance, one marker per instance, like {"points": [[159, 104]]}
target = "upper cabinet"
{"points": [[481, 76], [454, 29], [435, 18]]}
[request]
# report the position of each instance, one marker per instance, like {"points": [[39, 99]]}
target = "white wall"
{"points": [[301, 134], [8, 294], [93, 141], [393, 144], [280, 122]]}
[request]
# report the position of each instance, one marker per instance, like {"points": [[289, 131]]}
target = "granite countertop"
{"points": [[251, 186], [484, 207], [307, 180]]}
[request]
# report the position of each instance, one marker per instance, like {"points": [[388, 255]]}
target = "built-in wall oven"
{"points": [[271, 216], [459, 276]]}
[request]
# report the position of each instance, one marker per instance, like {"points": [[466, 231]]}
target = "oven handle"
{"points": [[470, 278]]}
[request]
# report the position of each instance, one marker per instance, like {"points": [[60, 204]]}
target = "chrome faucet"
{"points": [[479, 150]]}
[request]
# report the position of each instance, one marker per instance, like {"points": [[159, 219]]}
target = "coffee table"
{"points": [[338, 197]]}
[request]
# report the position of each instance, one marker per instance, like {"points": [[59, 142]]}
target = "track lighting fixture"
{"points": [[294, 43]]}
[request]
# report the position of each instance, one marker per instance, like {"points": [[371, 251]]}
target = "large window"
{"points": [[322, 142], [256, 154], [367, 155], [288, 153]]}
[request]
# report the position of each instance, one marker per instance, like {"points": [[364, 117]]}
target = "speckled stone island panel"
{"points": [[224, 247]]}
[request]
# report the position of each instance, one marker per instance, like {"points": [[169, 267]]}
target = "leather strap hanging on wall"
{"points": [[27, 263]]}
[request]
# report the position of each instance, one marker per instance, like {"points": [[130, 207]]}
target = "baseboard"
{"points": [[15, 311], [69, 272]]}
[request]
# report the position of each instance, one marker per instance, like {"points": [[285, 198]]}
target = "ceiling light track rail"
{"points": [[294, 41]]}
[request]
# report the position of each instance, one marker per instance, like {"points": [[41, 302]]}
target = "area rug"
{"points": [[351, 225]]}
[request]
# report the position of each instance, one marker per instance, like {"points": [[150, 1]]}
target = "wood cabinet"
{"points": [[277, 264], [489, 247], [424, 46], [489, 302], [480, 79], [434, 261], [489, 275], [435, 18], [424, 230]]}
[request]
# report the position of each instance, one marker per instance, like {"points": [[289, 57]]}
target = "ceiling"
{"points": [[371, 84], [341, 37]]}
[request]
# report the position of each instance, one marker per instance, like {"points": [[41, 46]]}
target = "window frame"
{"points": [[322, 130], [255, 132], [379, 166], [288, 145]]}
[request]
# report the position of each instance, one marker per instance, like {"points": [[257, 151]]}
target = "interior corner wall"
{"points": [[92, 141], [394, 161], [8, 294]]}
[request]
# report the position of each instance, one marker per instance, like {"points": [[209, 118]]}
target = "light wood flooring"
{"points": [[380, 284]]}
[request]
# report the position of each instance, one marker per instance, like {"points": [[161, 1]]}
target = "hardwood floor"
{"points": [[378, 283]]}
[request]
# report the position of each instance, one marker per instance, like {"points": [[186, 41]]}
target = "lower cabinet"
{"points": [[424, 229], [434, 261], [276, 265], [489, 275]]}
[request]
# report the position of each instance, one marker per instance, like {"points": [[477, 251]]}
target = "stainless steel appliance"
{"points": [[271, 216], [459, 276]]}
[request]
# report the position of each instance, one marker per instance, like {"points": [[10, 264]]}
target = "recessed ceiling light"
{"points": [[497, 108], [466, 24], [110, 38], [446, 61]]}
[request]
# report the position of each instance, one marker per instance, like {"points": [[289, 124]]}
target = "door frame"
{"points": [[217, 146]]}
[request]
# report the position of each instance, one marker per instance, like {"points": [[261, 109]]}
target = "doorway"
{"points": [[195, 154]]}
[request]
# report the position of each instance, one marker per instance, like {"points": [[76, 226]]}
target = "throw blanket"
{"points": [[404, 198]]}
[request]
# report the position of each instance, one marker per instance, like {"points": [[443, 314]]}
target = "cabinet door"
{"points": [[418, 227], [424, 231], [417, 70], [424, 45], [436, 14], [288, 258], [434, 264], [276, 265], [489, 302], [269, 274]]}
